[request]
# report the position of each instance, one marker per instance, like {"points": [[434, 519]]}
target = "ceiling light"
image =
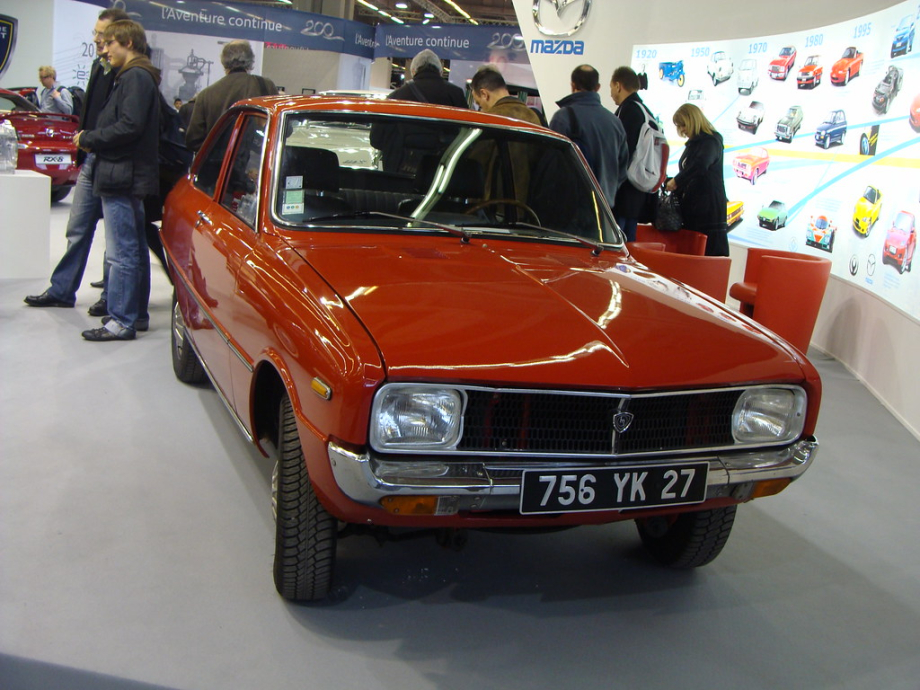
{"points": [[462, 11], [402, 5]]}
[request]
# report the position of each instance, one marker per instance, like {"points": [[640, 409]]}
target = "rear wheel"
{"points": [[186, 365], [688, 540], [59, 193], [305, 533]]}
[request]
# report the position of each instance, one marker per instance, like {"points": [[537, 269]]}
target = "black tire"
{"points": [[691, 540], [60, 193], [305, 534], [186, 365]]}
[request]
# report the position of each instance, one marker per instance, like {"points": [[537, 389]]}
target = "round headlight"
{"points": [[769, 415]]}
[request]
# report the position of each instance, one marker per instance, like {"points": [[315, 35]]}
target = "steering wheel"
{"points": [[496, 202]]}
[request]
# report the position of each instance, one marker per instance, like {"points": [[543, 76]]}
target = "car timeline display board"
{"points": [[822, 140]]}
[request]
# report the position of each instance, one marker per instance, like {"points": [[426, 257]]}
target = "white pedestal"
{"points": [[25, 202]]}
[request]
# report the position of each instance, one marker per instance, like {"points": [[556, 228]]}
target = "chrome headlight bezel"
{"points": [[412, 417], [769, 415]]}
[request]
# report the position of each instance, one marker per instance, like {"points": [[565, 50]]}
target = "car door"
{"points": [[225, 237]]}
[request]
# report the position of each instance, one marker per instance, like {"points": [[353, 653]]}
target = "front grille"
{"points": [[533, 422]]}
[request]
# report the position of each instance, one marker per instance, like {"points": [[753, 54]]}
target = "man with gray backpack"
{"points": [[637, 196]]}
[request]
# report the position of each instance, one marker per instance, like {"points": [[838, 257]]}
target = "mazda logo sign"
{"points": [[559, 6]]}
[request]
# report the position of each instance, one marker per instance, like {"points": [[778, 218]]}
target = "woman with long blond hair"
{"points": [[700, 184]]}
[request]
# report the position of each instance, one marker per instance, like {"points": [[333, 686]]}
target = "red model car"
{"points": [[752, 164], [901, 242], [811, 72], [782, 65], [914, 114], [847, 66], [45, 141], [428, 318]]}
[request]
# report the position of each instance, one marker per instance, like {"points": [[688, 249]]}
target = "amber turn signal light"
{"points": [[769, 487], [410, 505]]}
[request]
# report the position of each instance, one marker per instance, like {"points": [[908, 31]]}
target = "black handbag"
{"points": [[667, 216]]}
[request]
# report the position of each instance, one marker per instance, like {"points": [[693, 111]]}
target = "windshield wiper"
{"points": [[457, 232], [596, 247]]}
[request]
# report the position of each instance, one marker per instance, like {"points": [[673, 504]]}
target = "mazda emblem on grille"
{"points": [[622, 420]]}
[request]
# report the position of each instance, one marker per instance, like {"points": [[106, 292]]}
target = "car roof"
{"points": [[278, 105]]}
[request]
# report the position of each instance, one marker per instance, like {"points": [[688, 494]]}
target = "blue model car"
{"points": [[672, 71], [833, 129], [903, 42]]}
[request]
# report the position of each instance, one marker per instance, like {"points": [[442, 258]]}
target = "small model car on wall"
{"points": [[45, 141], [696, 96], [903, 42], [867, 209], [415, 355], [782, 65], [774, 216], [901, 242], [748, 79], [672, 71], [752, 164], [821, 233], [720, 67], [887, 89], [833, 129], [913, 116], [749, 118], [847, 66], [789, 124], [811, 72], [734, 211]]}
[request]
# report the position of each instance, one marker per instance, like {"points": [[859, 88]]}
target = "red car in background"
{"points": [[782, 65], [751, 165], [45, 141], [847, 66], [901, 242]]}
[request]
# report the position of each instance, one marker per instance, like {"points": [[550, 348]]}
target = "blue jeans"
{"points": [[128, 282], [85, 212]]}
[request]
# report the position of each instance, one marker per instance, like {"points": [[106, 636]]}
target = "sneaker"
{"points": [[46, 300], [97, 284], [100, 308], [103, 334], [139, 325]]}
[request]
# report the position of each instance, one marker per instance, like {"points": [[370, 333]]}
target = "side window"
{"points": [[209, 171], [241, 193]]}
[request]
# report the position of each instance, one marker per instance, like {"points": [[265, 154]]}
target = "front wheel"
{"points": [[688, 540], [680, 80], [305, 533]]}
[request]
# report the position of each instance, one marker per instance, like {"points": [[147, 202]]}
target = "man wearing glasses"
{"points": [[86, 207]]}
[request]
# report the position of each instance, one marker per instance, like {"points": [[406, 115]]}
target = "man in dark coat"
{"points": [[85, 207], [238, 84], [597, 131], [631, 205], [125, 141], [403, 146]]}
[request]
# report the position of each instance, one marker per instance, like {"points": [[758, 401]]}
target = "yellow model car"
{"points": [[867, 209], [735, 210]]}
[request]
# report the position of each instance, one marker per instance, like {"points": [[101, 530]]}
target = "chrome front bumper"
{"points": [[495, 484]]}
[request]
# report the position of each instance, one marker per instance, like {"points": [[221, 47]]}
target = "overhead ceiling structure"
{"points": [[436, 11]]}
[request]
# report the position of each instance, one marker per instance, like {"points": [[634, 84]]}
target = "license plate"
{"points": [[612, 488], [52, 158]]}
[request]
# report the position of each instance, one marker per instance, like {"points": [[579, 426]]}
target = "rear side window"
{"points": [[241, 193]]}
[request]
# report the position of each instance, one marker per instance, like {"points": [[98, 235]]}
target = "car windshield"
{"points": [[849, 52], [821, 223], [903, 222], [871, 195], [748, 65], [812, 61], [13, 103], [905, 23], [412, 174], [787, 51]]}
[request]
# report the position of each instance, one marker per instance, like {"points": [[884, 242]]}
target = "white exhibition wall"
{"points": [[875, 339]]}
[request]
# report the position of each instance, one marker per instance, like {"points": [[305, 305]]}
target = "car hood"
{"points": [[769, 213], [526, 312], [883, 89], [863, 207]]}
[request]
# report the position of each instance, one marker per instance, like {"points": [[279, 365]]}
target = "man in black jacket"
{"points": [[404, 146], [125, 142], [85, 207], [631, 204]]}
